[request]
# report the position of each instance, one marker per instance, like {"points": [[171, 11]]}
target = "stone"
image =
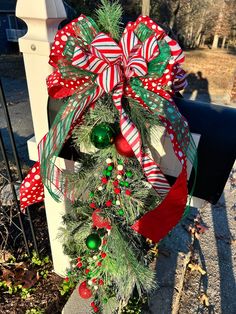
{"points": [[77, 305], [6, 195]]}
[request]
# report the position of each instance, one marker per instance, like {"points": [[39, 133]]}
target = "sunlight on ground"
{"points": [[210, 75]]}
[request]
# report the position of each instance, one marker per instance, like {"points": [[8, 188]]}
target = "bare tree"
{"points": [[145, 7]]}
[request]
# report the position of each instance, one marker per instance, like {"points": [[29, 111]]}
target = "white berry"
{"points": [[117, 202], [119, 177], [90, 282], [95, 287], [108, 161], [100, 188], [120, 167]]}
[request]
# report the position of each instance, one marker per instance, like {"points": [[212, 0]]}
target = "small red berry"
{"points": [[108, 227], [92, 304], [79, 265], [128, 192], [103, 255], [117, 190], [92, 205], [116, 183], [87, 271], [109, 203], [66, 279], [94, 280], [104, 180], [120, 172], [78, 259], [104, 241], [101, 282], [99, 264], [96, 309]]}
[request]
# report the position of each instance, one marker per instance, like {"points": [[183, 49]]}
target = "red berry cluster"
{"points": [[95, 307]]}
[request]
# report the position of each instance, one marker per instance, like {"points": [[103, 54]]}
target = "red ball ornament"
{"points": [[123, 147], [84, 291], [99, 221]]}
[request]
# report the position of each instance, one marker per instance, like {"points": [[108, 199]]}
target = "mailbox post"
{"points": [[42, 18]]}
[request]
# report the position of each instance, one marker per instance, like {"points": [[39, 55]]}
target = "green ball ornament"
{"points": [[102, 135], [129, 174], [93, 241], [121, 212]]}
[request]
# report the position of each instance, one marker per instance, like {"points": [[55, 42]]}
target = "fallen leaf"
{"points": [[201, 228], [204, 299], [196, 267], [5, 256]]}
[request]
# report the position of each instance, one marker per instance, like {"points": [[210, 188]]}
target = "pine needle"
{"points": [[109, 18]]}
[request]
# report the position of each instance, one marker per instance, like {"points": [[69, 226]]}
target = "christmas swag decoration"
{"points": [[117, 88]]}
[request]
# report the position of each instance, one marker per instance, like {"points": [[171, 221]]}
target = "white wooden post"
{"points": [[42, 18]]}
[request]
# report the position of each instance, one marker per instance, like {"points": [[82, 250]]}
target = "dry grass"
{"points": [[218, 67]]}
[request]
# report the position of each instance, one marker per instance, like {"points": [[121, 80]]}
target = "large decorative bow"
{"points": [[144, 67]]}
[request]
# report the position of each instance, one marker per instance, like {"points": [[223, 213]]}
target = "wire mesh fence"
{"points": [[14, 225]]}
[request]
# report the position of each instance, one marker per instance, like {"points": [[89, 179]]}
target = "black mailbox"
{"points": [[217, 147], [216, 151]]}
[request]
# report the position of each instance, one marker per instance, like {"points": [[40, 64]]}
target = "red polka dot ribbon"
{"points": [[32, 190]]}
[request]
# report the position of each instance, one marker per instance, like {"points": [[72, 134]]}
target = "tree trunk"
{"points": [[198, 40], [198, 36], [174, 15], [146, 7], [202, 42], [215, 41], [223, 42]]}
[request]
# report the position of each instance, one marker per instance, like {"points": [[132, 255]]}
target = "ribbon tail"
{"points": [[31, 189], [169, 211], [130, 132]]}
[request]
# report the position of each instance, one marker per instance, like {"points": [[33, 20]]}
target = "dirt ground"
{"points": [[210, 75]]}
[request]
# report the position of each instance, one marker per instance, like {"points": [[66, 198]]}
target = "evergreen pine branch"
{"points": [[111, 305], [123, 265], [109, 18]]}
